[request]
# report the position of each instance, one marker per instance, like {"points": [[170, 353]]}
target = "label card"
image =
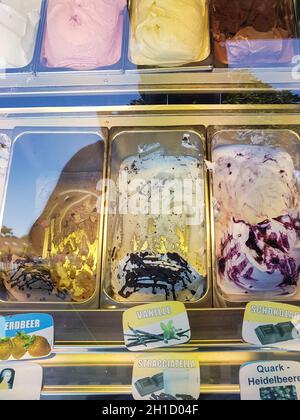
{"points": [[26, 336], [162, 324], [166, 376], [270, 324], [270, 381], [20, 381]]}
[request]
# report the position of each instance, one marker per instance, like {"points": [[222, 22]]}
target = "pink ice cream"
{"points": [[83, 34]]}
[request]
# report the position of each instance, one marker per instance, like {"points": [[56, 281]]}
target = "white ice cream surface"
{"points": [[18, 27], [253, 183], [158, 229]]}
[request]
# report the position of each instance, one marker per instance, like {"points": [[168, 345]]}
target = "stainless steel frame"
{"points": [[108, 372], [218, 81]]}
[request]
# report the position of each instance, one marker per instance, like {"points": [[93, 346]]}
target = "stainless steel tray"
{"points": [[176, 141], [291, 19], [287, 140], [69, 76], [35, 191], [204, 66]]}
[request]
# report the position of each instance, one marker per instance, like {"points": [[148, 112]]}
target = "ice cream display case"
{"points": [[106, 208], [67, 249], [91, 47]]}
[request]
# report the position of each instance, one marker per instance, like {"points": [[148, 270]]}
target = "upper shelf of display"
{"points": [[167, 46]]}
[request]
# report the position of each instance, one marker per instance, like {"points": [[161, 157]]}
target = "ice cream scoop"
{"points": [[262, 258], [18, 28], [253, 183], [83, 34], [169, 32]]}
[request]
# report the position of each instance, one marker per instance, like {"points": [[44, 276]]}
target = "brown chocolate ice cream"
{"points": [[250, 32]]}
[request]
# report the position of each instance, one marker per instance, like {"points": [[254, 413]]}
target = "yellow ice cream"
{"points": [[169, 32]]}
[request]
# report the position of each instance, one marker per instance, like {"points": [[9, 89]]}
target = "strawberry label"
{"points": [[26, 336]]}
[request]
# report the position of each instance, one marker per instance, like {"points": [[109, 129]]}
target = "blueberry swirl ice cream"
{"points": [[261, 258], [257, 221], [255, 182]]}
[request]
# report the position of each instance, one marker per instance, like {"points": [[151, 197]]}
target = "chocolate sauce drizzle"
{"points": [[32, 278], [156, 272]]}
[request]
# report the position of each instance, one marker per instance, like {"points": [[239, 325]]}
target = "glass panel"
{"points": [[50, 230], [147, 45], [61, 252]]}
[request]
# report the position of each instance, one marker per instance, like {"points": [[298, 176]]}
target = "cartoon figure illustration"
{"points": [[7, 377]]}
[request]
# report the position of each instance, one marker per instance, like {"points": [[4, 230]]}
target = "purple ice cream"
{"points": [[262, 258]]}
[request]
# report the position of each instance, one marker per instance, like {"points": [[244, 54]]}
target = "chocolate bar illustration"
{"points": [[271, 334], [149, 385]]}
